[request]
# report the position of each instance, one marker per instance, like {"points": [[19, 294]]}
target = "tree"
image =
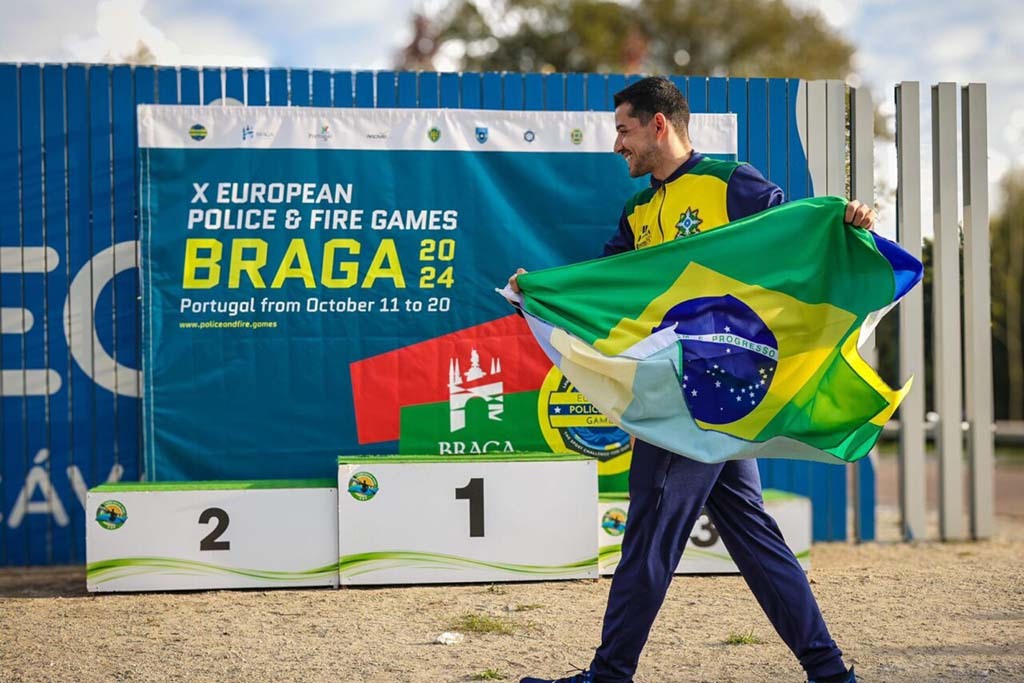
{"points": [[734, 37], [142, 55], [887, 336], [1007, 231], [1007, 284]]}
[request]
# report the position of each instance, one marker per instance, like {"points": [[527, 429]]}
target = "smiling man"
{"points": [[689, 194]]}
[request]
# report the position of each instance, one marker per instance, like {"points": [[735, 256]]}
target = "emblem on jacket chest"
{"points": [[688, 223]]}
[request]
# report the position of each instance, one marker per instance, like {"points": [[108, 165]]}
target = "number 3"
{"points": [[705, 534]]}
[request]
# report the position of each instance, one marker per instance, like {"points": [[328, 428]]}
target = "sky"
{"points": [[929, 41]]}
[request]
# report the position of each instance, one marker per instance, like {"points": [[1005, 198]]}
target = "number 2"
{"points": [[211, 542]]}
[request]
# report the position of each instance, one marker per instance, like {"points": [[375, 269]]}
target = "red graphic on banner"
{"points": [[421, 373]]}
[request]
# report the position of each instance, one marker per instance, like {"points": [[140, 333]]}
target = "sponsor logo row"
{"points": [[199, 132]]}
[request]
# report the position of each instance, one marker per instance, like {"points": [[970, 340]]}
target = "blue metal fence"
{"points": [[69, 352]]}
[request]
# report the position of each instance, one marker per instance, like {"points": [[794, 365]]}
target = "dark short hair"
{"points": [[654, 94]]}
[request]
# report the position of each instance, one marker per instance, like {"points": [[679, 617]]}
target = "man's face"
{"points": [[636, 142]]}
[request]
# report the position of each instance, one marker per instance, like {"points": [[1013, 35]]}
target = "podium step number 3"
{"points": [[418, 519], [705, 552], [200, 535]]}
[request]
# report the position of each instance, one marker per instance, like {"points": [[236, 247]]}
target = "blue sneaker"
{"points": [[848, 677], [581, 677]]}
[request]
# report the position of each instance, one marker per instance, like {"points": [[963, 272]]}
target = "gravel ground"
{"points": [[901, 612], [922, 612]]}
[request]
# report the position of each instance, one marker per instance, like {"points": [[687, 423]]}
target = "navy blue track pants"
{"points": [[667, 493]]}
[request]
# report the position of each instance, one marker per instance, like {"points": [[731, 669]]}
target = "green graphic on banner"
{"points": [[475, 428]]}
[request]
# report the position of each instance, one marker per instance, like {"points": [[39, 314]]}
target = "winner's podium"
{"points": [[481, 518], [218, 534]]}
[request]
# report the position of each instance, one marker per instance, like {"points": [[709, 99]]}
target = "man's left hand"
{"points": [[860, 215]]}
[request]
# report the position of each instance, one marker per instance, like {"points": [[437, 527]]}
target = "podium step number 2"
{"points": [[201, 535], [419, 519]]}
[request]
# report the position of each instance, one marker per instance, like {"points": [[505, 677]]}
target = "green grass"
{"points": [[1014, 453], [743, 639], [479, 623], [488, 675], [526, 608]]}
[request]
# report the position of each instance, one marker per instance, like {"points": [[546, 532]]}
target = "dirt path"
{"points": [[929, 612], [923, 612]]}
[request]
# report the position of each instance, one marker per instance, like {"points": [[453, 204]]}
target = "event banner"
{"points": [[319, 282]]}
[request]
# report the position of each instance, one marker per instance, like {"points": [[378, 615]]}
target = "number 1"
{"points": [[474, 493]]}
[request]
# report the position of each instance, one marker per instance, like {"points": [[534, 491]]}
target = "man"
{"points": [[691, 193]]}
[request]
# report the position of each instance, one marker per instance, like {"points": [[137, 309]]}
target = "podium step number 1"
{"points": [[421, 519], [200, 535]]}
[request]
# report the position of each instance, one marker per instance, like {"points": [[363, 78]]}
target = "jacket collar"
{"points": [[686, 166]]}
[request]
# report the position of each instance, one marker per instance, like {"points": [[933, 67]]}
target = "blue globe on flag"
{"points": [[729, 357]]}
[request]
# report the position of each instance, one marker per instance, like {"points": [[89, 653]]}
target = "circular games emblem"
{"points": [[111, 514], [529, 136], [614, 522], [197, 132], [363, 486], [576, 136], [729, 357], [571, 423], [434, 134]]}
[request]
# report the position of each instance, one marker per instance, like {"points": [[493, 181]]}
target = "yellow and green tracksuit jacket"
{"points": [[700, 195]]}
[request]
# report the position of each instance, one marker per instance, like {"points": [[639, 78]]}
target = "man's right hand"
{"points": [[512, 281]]}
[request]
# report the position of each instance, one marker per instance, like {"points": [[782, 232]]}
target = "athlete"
{"points": [[692, 193]]}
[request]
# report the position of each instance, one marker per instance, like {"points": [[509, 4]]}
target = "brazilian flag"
{"points": [[734, 343]]}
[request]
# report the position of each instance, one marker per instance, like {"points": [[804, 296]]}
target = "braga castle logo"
{"points": [[474, 383]]}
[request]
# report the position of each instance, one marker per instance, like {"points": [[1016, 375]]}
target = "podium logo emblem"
{"points": [[197, 132], [614, 522], [363, 486], [111, 514]]}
